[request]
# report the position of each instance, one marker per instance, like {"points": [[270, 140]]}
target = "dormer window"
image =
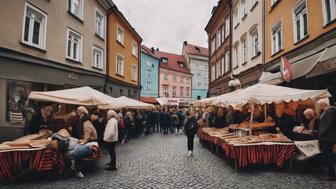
{"points": [[164, 60]]}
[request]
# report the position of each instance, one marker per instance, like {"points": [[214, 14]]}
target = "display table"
{"points": [[40, 159], [262, 153]]}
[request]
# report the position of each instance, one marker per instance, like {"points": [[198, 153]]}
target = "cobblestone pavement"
{"points": [[160, 161]]}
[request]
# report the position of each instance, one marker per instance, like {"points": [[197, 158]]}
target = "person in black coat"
{"points": [[190, 128], [283, 121], [220, 121], [327, 135]]}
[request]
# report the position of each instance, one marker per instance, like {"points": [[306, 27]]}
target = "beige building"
{"points": [[247, 40], [48, 45]]}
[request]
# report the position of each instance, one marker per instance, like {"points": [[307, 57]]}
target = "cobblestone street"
{"points": [[160, 161]]}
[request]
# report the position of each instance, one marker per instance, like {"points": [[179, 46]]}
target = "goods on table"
{"points": [[216, 131], [261, 138]]}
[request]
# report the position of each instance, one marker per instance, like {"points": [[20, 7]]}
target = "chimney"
{"points": [[153, 50], [185, 42]]}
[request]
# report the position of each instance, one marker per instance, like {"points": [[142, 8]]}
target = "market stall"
{"points": [[124, 102], [250, 142]]}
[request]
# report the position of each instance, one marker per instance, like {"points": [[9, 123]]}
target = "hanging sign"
{"points": [[285, 68]]}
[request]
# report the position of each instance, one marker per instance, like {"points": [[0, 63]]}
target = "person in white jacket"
{"points": [[111, 138]]}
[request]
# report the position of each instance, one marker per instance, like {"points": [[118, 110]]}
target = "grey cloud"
{"points": [[167, 23]]}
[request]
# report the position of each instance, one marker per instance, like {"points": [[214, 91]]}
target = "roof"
{"points": [[148, 51], [173, 60], [215, 11], [197, 50], [148, 99]]}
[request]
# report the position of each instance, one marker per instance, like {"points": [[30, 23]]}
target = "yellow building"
{"points": [[123, 57], [304, 33]]}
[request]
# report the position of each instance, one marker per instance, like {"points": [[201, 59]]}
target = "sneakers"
{"points": [[79, 174], [189, 153]]}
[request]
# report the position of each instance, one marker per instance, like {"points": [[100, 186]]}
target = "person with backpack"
{"points": [[190, 128]]}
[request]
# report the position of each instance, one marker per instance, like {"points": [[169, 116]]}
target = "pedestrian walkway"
{"points": [[160, 161]]}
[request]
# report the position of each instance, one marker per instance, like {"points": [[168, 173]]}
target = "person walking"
{"points": [[174, 121], [327, 135], [190, 128], [111, 137]]}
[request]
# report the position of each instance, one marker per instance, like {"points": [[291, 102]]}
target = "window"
{"points": [[35, 24], [235, 57], [244, 50], [134, 72], [100, 24], [120, 35], [129, 93], [227, 62], [149, 86], [213, 45], [135, 49], [165, 91], [149, 74], [300, 21], [218, 71], [98, 58], [165, 77], [235, 17], [182, 79], [187, 92], [276, 38], [181, 91], [76, 8], [253, 3], [74, 46], [227, 27], [223, 33], [174, 91], [120, 65], [243, 9], [223, 65], [121, 92], [255, 43], [218, 43], [329, 11], [174, 77], [164, 60], [213, 72]]}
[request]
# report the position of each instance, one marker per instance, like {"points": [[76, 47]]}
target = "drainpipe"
{"points": [[107, 50], [263, 35]]}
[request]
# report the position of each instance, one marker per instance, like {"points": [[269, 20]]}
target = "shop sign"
{"points": [[73, 76], [285, 68], [309, 148]]}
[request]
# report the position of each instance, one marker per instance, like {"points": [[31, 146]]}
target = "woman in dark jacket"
{"points": [[190, 128]]}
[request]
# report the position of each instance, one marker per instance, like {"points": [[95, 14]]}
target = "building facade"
{"points": [[305, 38], [247, 19], [123, 57], [197, 59], [175, 77], [149, 73], [48, 45], [219, 33]]}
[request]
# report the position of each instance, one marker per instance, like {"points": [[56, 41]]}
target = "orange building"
{"points": [[302, 34], [123, 57]]}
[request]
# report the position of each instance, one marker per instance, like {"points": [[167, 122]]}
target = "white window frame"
{"points": [[174, 77], [274, 36], [227, 27], [227, 62], [223, 33], [135, 49], [235, 17], [174, 91], [43, 28], [213, 72], [103, 23], [81, 10], [218, 39], [188, 91], [165, 76], [332, 11], [134, 72], [235, 56], [122, 36], [273, 2], [301, 20], [80, 46], [254, 43], [223, 65], [102, 62], [181, 91], [213, 45], [243, 9], [244, 50], [117, 71], [148, 85]]}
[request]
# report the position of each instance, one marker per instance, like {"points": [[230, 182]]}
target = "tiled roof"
{"points": [[173, 62], [148, 51], [148, 99], [197, 50]]}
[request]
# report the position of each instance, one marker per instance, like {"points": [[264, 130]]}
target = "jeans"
{"points": [[111, 148], [327, 157], [81, 151], [190, 137]]}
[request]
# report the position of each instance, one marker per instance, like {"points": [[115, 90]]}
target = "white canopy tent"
{"points": [[124, 102], [85, 96]]}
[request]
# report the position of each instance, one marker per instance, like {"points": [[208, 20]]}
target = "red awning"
{"points": [[148, 99]]}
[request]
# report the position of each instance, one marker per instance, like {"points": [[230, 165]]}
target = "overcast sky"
{"points": [[167, 23]]}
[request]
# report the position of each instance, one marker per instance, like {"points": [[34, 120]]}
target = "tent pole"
{"points": [[251, 119], [265, 111]]}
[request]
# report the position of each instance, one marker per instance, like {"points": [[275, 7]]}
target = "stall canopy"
{"points": [[267, 94], [85, 96], [124, 102]]}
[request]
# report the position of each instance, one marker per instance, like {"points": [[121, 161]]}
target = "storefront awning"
{"points": [[271, 78], [326, 64]]}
